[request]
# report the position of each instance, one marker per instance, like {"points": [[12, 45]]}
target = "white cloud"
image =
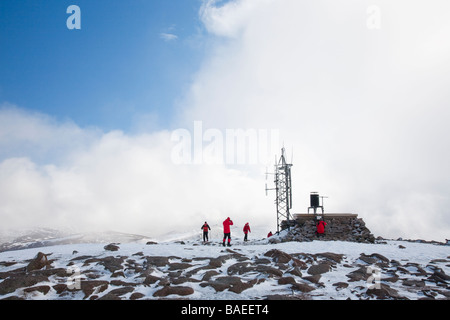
{"points": [[115, 181], [168, 36], [230, 18], [24, 133], [365, 113]]}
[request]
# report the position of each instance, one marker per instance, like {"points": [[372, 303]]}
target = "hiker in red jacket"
{"points": [[246, 230], [321, 228], [205, 227], [226, 231]]}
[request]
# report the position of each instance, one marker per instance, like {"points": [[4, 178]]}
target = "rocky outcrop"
{"points": [[39, 262], [341, 228], [290, 275]]}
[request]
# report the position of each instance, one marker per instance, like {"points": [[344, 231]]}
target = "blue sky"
{"points": [[363, 109], [116, 69]]}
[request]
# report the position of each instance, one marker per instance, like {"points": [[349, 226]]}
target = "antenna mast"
{"points": [[283, 188]]}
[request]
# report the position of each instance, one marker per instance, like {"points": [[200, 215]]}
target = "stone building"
{"points": [[340, 226]]}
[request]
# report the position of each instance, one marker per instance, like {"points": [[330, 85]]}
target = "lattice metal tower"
{"points": [[283, 188]]}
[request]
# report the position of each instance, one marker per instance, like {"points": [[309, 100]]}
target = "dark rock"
{"points": [[271, 271], [110, 296], [136, 296], [88, 287], [111, 247], [169, 290], [439, 277], [313, 279], [181, 280], [232, 283], [358, 275], [11, 284], [60, 288], [295, 271], [286, 280], [13, 298], [375, 258], [175, 274], [335, 257], [7, 263], [120, 283], [179, 266], [158, 261], [402, 270], [303, 287], [419, 271], [121, 291], [367, 259], [319, 268], [286, 297], [117, 274], [151, 280], [41, 289], [262, 261], [441, 274], [91, 260], [39, 262], [216, 262], [392, 277], [278, 256], [59, 272], [301, 264], [340, 285], [209, 274], [240, 268], [383, 291], [112, 263], [413, 283], [81, 258]]}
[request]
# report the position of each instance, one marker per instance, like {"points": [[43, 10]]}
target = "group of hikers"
{"points": [[227, 231]]}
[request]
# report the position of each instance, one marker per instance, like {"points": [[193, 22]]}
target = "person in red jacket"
{"points": [[321, 228], [226, 231], [246, 231], [205, 227]]}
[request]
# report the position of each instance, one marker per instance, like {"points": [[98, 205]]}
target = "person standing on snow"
{"points": [[205, 227], [226, 231], [246, 231]]}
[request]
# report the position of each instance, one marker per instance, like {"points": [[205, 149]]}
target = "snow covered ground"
{"points": [[413, 265]]}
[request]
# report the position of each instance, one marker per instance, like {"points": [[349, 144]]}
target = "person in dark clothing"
{"points": [[205, 227]]}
